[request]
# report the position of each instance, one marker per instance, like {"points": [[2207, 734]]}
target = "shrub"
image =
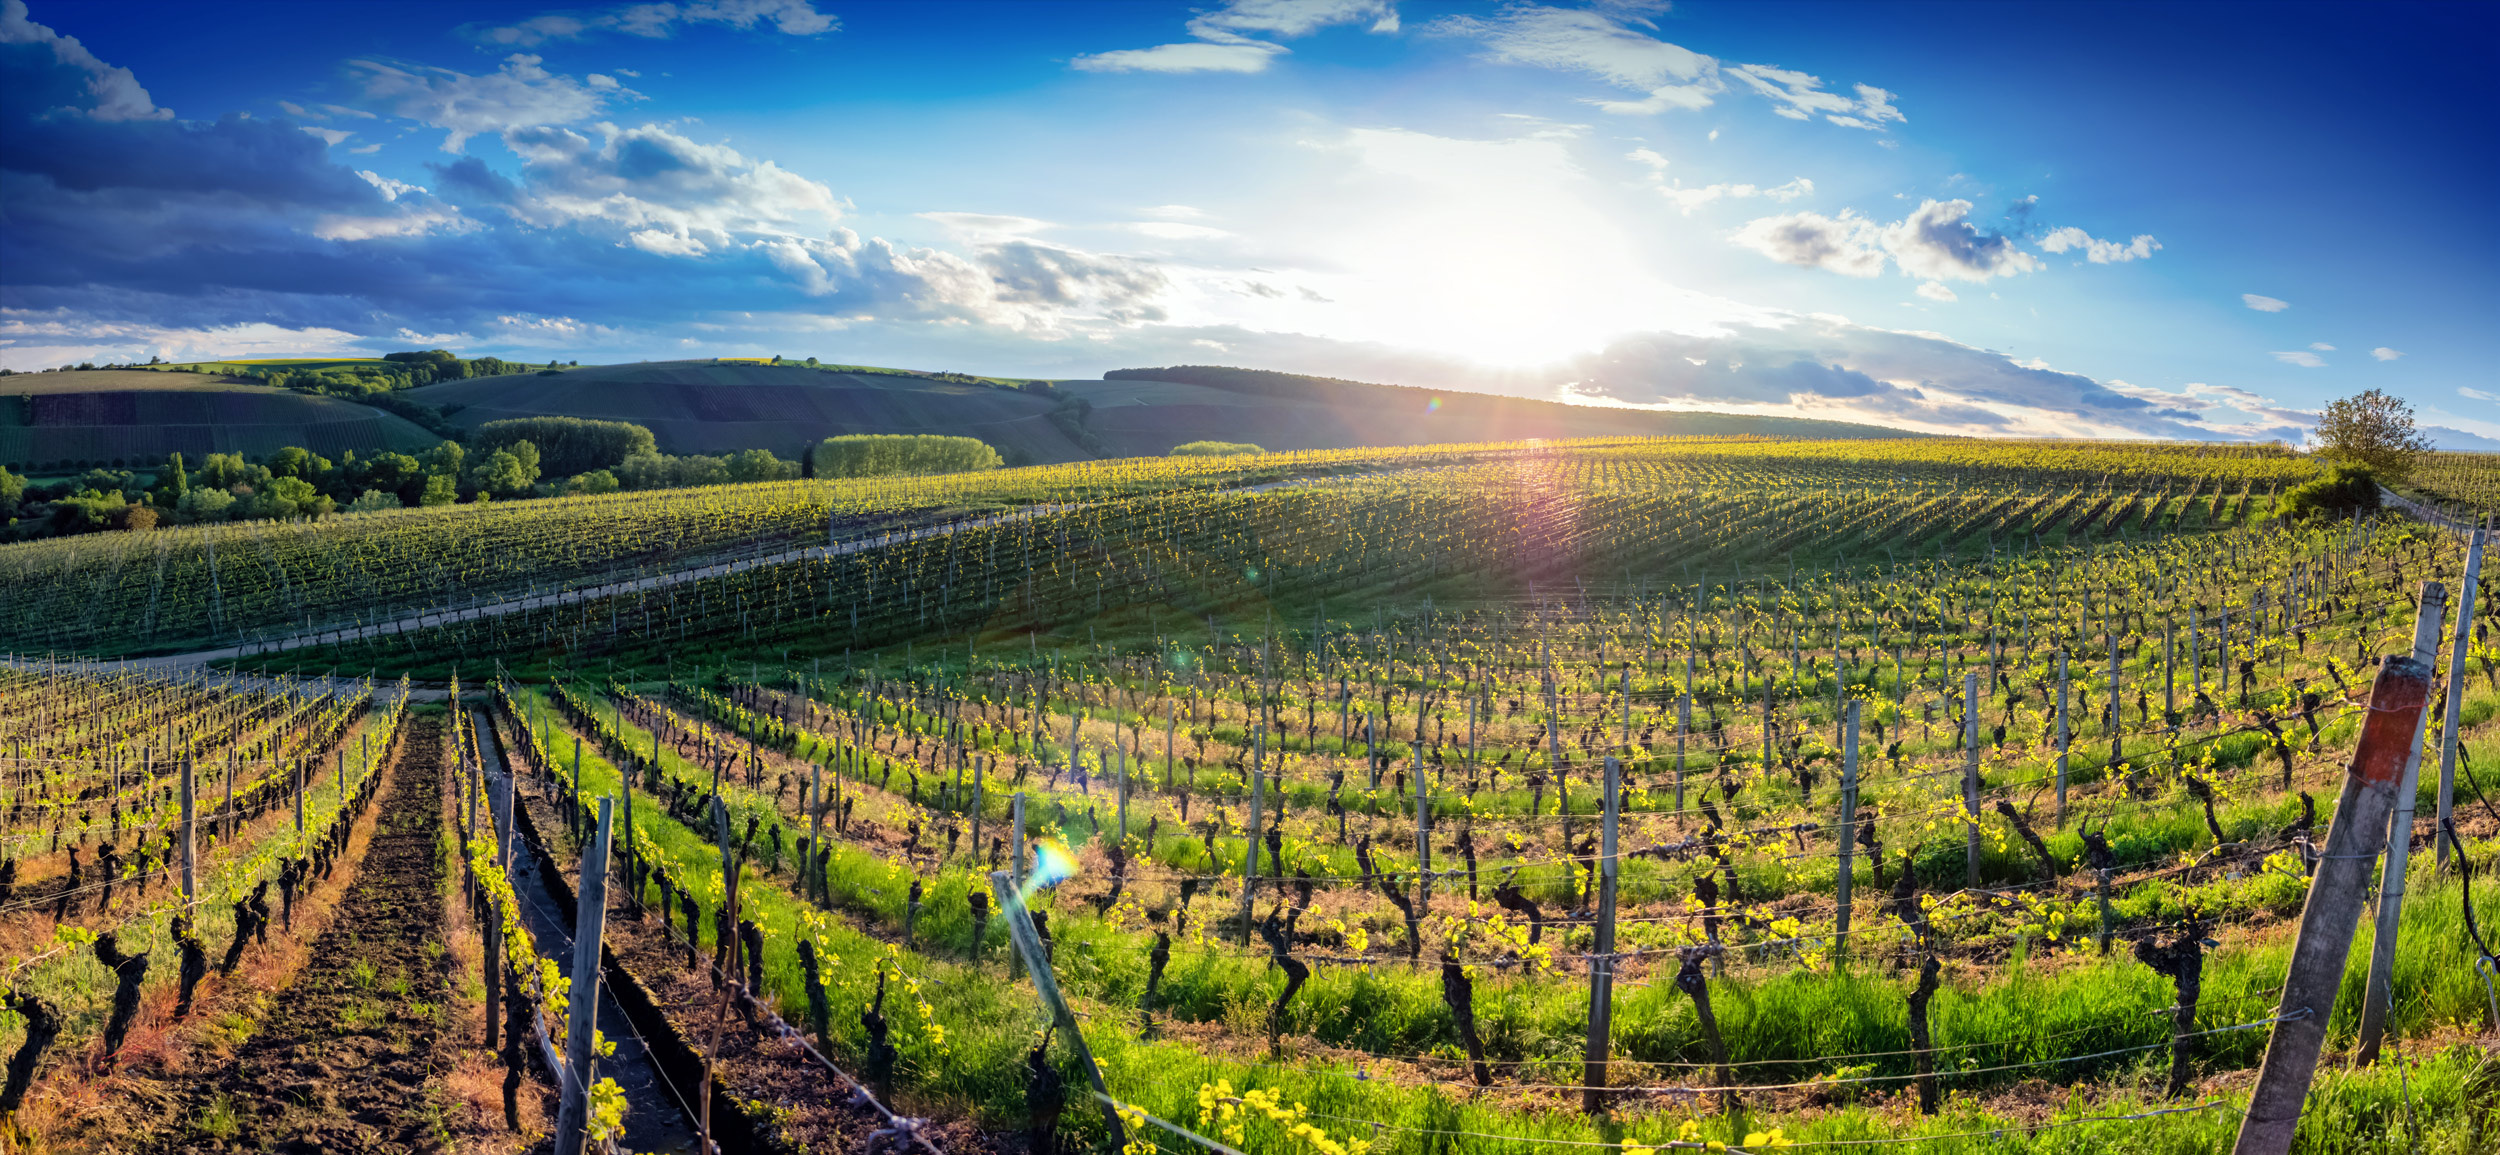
{"points": [[2344, 490], [373, 499], [595, 481], [1216, 449], [566, 445], [883, 455]]}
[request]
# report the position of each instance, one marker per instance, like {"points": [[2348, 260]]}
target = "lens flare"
{"points": [[1052, 865]]}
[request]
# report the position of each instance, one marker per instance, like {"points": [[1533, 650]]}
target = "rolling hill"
{"points": [[71, 420], [715, 407], [65, 421]]}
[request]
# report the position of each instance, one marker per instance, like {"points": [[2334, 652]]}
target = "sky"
{"points": [[2103, 220]]}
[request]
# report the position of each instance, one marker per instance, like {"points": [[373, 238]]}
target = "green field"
{"points": [[1351, 645], [50, 422]]}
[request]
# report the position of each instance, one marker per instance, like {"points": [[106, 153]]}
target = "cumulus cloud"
{"points": [[2264, 304], [2384, 353], [119, 228], [790, 17], [1847, 244], [2301, 357], [521, 94], [1936, 242], [1823, 366], [75, 81], [1224, 39], [2098, 251]]}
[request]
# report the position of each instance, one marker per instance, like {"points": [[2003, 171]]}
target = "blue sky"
{"points": [[2090, 220]]}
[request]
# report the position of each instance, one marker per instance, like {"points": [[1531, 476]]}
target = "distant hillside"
{"points": [[717, 407], [1147, 411], [66, 421]]}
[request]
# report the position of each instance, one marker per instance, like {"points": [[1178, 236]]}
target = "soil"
{"points": [[350, 1059]]}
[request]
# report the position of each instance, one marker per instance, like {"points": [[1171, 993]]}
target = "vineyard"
{"points": [[1630, 795]]}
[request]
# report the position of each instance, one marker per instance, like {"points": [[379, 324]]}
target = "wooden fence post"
{"points": [[2065, 734], [2333, 910], [2378, 999], [589, 925], [1423, 833], [1843, 882], [190, 835], [1250, 840], [2456, 688], [1601, 953], [1970, 769], [1020, 930]]}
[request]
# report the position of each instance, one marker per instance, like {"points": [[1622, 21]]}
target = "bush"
{"points": [[1216, 449], [595, 481], [373, 499], [566, 445], [885, 455], [2346, 489]]}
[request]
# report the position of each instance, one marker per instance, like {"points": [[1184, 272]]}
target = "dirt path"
{"points": [[346, 1061]]}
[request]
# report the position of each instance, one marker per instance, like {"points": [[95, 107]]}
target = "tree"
{"points": [[595, 481], [507, 472], [440, 489], [373, 499], [446, 459], [173, 481], [12, 487], [2374, 430]]}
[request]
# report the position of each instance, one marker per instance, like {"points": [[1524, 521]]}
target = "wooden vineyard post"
{"points": [[1683, 729], [1423, 834], [2169, 674], [2377, 1000], [978, 760], [2117, 727], [2456, 688], [1121, 753], [575, 809], [1028, 944], [728, 932], [1970, 769], [1844, 880], [589, 924], [2065, 734], [1250, 839], [299, 800], [1167, 744], [1601, 953], [1015, 828], [2333, 910], [190, 836]]}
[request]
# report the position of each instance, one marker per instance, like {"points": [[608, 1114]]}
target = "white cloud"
{"points": [[1614, 43], [2097, 251], [1648, 157], [1848, 244], [2322, 346], [2384, 353], [391, 189], [1223, 36], [34, 339], [2264, 304], [329, 136], [662, 192], [2301, 357], [657, 20], [2469, 391], [1689, 199], [1242, 56], [1938, 242], [1936, 291], [113, 93], [519, 95], [417, 221]]}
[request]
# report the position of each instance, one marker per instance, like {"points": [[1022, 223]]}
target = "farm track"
{"points": [[349, 1059]]}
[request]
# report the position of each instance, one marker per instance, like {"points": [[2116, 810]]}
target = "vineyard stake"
{"points": [[2333, 910], [2378, 999], [978, 761], [1970, 768], [1423, 835], [1601, 954], [1250, 839], [589, 924], [1844, 880], [299, 801], [2456, 689], [1015, 825], [694, 935], [2117, 729], [1020, 931], [190, 820], [2065, 734]]}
